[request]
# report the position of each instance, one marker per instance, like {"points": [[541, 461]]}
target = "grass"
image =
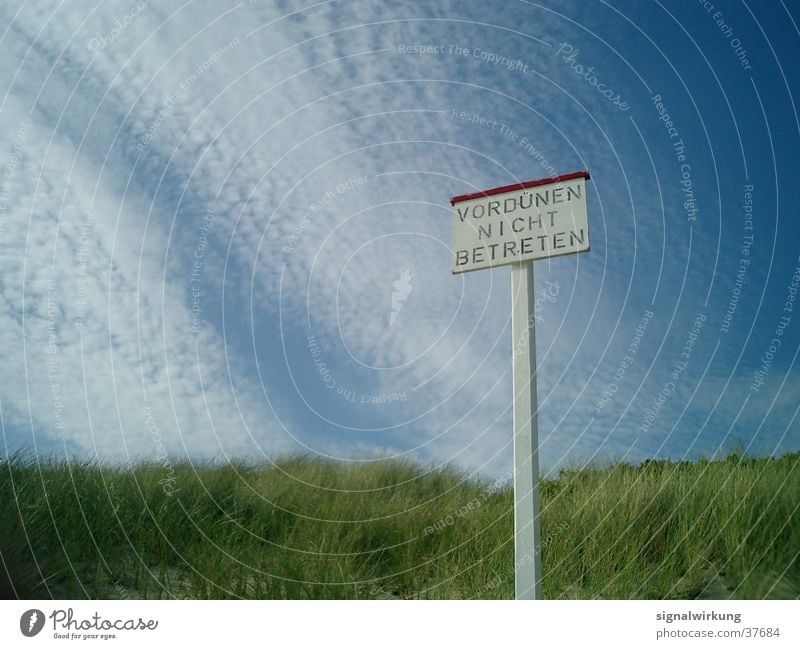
{"points": [[315, 529]]}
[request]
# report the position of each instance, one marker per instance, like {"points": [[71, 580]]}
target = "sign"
{"points": [[522, 222], [514, 225]]}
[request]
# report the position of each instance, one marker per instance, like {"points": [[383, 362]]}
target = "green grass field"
{"points": [[313, 529]]}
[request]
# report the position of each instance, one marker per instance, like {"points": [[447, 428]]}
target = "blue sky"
{"points": [[206, 209]]}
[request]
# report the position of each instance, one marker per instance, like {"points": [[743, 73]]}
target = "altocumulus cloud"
{"points": [[214, 187]]}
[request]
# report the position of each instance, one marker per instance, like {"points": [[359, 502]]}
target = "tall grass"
{"points": [[305, 528]]}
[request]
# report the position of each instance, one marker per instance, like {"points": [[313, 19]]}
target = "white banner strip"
{"points": [[388, 624]]}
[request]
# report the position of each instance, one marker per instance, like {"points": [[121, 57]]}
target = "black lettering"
{"points": [[573, 237]]}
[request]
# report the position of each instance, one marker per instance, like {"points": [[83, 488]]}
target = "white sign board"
{"points": [[522, 222], [514, 225]]}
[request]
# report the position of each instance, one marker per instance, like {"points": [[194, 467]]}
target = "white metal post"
{"points": [[527, 562]]}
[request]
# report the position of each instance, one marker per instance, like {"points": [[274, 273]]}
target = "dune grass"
{"points": [[306, 528]]}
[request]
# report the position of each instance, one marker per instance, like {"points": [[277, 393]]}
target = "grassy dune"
{"points": [[314, 529]]}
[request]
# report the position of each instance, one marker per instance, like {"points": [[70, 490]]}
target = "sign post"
{"points": [[527, 561], [515, 225]]}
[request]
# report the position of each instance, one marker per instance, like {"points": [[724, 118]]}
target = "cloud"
{"points": [[94, 336], [264, 175]]}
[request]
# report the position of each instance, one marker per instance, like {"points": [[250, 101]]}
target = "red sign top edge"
{"points": [[525, 185]]}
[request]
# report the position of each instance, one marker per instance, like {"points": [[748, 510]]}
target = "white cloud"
{"points": [[325, 158]]}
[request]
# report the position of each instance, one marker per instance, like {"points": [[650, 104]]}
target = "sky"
{"points": [[226, 230]]}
